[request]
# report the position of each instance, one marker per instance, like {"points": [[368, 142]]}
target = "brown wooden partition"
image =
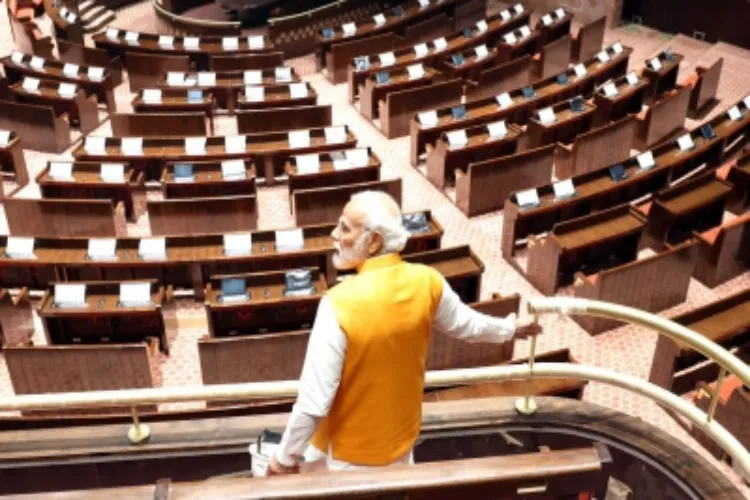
{"points": [[88, 56], [246, 61], [724, 251], [158, 124], [180, 216], [705, 87], [41, 128], [589, 39], [399, 108], [146, 70], [257, 121], [12, 161], [62, 218], [554, 58], [664, 118], [501, 78]]}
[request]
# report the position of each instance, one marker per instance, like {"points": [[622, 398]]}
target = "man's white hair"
{"points": [[383, 215]]}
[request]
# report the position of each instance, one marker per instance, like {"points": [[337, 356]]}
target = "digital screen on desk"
{"points": [[382, 77], [458, 112], [617, 172], [183, 171], [195, 95], [398, 11], [467, 33], [528, 92], [233, 286], [562, 78], [327, 33], [707, 131], [576, 104], [668, 54], [458, 59]]}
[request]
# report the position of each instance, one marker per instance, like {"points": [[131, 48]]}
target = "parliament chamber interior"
{"points": [[173, 171]]}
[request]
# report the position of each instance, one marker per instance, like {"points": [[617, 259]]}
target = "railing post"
{"points": [[138, 433], [715, 396], [526, 405]]}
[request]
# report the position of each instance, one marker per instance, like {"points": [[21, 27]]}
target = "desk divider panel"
{"points": [[158, 124], [88, 56], [181, 216], [724, 252], [428, 30], [145, 70], [246, 61], [40, 127], [341, 55], [704, 91], [398, 109], [664, 118], [63, 218], [554, 57], [589, 39], [258, 121], [501, 78]]}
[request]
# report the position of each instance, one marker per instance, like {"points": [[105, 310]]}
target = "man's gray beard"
{"points": [[345, 260]]}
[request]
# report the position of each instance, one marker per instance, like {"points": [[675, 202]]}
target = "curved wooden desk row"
{"points": [[367, 60], [94, 79], [77, 53], [519, 108], [151, 153], [597, 190], [67, 24], [189, 262], [12, 161]]}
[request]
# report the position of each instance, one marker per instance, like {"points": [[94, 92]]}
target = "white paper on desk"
{"points": [[102, 248], [510, 38], [349, 29], [428, 118], [424, 3], [457, 138], [525, 31], [256, 42], [135, 294], [482, 26], [17, 57], [112, 172], [195, 146], [37, 63], [61, 171], [560, 12], [166, 41], [70, 295], [64, 12], [746, 100], [504, 100], [152, 96], [235, 144], [113, 33], [617, 48], [283, 74], [255, 93], [253, 77], [20, 247], [31, 84], [655, 64], [71, 18], [232, 170], [481, 51], [646, 160], [685, 142], [191, 43], [95, 145], [132, 37], [497, 130], [230, 43], [175, 78], [379, 19], [66, 90], [439, 44], [289, 240], [603, 56], [95, 73], [564, 189], [546, 115], [580, 70], [4, 138], [298, 90], [421, 50], [518, 8], [610, 89], [238, 243], [299, 138], [358, 157], [546, 19], [387, 59], [335, 135], [505, 15], [71, 70], [307, 164], [734, 113], [415, 71], [528, 198], [132, 146], [206, 78], [632, 78], [152, 248]]}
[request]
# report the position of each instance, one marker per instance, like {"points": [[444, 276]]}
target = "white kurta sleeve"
{"points": [[460, 321], [321, 374]]}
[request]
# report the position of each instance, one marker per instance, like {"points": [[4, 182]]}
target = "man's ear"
{"points": [[376, 243]]}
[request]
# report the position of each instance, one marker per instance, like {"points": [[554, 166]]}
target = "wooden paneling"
{"points": [[181, 216], [62, 218]]}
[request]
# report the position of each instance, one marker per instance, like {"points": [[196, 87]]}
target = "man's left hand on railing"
{"points": [[277, 469]]}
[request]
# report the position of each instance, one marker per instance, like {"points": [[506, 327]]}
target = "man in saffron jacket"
{"points": [[361, 389]]}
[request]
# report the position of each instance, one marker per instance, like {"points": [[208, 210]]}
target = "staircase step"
{"points": [[99, 22], [86, 6], [96, 11]]}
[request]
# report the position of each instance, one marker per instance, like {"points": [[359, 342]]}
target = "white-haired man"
{"points": [[361, 389]]}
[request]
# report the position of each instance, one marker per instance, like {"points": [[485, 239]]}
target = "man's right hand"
{"points": [[524, 331]]}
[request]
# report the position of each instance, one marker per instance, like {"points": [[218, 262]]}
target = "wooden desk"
{"points": [[267, 310], [553, 57], [53, 69], [283, 119], [567, 125], [178, 216], [149, 43], [178, 124], [328, 175], [496, 27], [629, 100], [261, 60], [559, 28], [16, 318], [40, 126], [444, 159], [63, 218], [663, 80], [86, 183], [694, 205], [105, 319], [501, 78], [663, 119], [373, 92], [12, 161], [589, 39], [228, 83], [261, 148], [81, 109], [400, 107], [704, 87], [208, 181], [278, 96], [739, 177], [726, 322], [723, 252], [524, 46], [547, 92], [472, 65], [585, 244], [175, 100], [461, 268], [145, 70], [77, 53]]}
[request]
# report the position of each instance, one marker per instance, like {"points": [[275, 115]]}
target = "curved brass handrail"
{"points": [[189, 21], [307, 13]]}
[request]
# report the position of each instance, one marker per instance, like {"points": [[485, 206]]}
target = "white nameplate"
{"points": [[102, 248], [387, 59], [206, 78], [610, 89], [256, 42], [560, 12], [307, 164], [359, 157], [195, 146], [655, 64], [428, 118], [505, 15], [112, 33], [70, 295], [4, 138], [415, 71], [175, 78], [166, 41], [299, 139], [283, 74], [132, 146], [253, 77], [17, 57], [233, 170], [504, 100], [379, 19], [746, 100], [580, 70], [289, 240], [424, 4], [66, 90], [457, 138], [71, 18], [20, 247], [421, 50], [497, 130], [230, 43], [734, 113], [64, 12], [132, 37], [95, 73], [255, 93], [112, 172], [335, 135], [528, 198], [439, 44], [603, 56], [31, 85], [547, 19], [510, 38], [152, 248], [564, 189], [482, 26], [617, 48], [71, 70], [61, 171], [546, 115], [518, 8], [685, 142], [95, 145], [135, 294], [152, 96], [349, 29], [632, 78], [298, 90], [37, 63], [235, 144], [481, 51], [238, 243], [191, 43], [525, 31], [646, 160]]}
